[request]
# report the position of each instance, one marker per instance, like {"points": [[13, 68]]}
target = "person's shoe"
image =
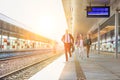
{"points": [[66, 60], [87, 56], [82, 57]]}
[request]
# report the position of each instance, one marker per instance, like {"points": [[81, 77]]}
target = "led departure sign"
{"points": [[98, 11]]}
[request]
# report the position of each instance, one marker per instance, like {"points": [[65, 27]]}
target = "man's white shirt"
{"points": [[67, 38]]}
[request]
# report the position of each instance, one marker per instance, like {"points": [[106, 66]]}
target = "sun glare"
{"points": [[46, 25], [50, 26], [44, 17]]}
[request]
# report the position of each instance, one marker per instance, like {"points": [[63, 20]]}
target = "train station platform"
{"points": [[103, 66]]}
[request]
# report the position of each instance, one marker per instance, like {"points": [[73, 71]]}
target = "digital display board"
{"points": [[98, 11]]}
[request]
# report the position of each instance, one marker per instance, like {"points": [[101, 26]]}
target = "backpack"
{"points": [[87, 42]]}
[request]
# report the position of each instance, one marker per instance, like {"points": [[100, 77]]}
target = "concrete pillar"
{"points": [[99, 39], [1, 35], [116, 31]]}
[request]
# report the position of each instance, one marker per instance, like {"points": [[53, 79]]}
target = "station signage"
{"points": [[98, 11]]}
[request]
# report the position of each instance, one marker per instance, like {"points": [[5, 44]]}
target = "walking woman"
{"points": [[88, 43], [81, 46]]}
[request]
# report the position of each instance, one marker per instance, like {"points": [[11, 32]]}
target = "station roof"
{"points": [[75, 11]]}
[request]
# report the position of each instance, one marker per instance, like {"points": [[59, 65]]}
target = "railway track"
{"points": [[5, 72], [16, 54]]}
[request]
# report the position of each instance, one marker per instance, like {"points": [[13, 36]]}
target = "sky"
{"points": [[45, 17]]}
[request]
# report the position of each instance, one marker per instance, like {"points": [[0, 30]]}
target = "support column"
{"points": [[116, 31], [99, 39], [1, 40], [1, 36], [8, 41]]}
